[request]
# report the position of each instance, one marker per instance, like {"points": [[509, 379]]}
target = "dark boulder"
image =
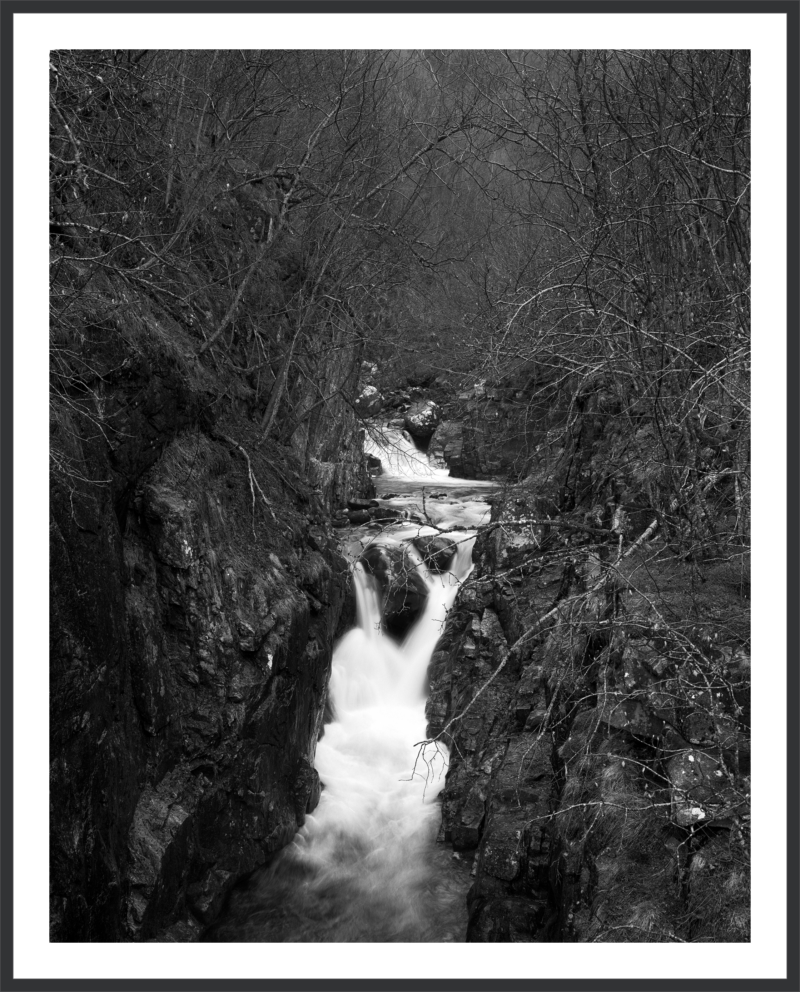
{"points": [[369, 402], [403, 589], [361, 504], [422, 418], [437, 552]]}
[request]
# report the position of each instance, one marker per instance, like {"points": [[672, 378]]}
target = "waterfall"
{"points": [[365, 865], [377, 691], [400, 457], [367, 845]]}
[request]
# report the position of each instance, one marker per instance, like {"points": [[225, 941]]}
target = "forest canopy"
{"points": [[579, 219]]}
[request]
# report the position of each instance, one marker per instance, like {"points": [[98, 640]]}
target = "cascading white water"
{"points": [[400, 457], [364, 867], [367, 754], [373, 830]]}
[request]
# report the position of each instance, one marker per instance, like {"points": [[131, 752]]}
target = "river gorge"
{"points": [[366, 864], [399, 496]]}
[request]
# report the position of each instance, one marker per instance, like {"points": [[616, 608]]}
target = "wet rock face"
{"points": [[403, 589], [601, 774], [191, 635], [478, 446], [210, 685], [422, 418], [369, 402], [437, 552], [447, 445], [379, 561]]}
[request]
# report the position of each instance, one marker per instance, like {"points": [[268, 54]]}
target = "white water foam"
{"points": [[365, 867], [400, 457], [377, 817]]}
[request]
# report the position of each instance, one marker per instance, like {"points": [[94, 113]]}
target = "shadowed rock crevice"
{"points": [[192, 620]]}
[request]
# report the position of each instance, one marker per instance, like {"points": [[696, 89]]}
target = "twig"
{"points": [[239, 293], [536, 522], [252, 478]]}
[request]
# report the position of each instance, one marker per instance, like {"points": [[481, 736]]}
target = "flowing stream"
{"points": [[366, 865]]}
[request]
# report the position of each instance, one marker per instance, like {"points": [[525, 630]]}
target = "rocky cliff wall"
{"points": [[484, 430], [195, 593], [599, 740]]}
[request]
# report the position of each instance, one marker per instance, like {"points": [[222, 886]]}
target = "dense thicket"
{"points": [[578, 217], [626, 175], [268, 200]]}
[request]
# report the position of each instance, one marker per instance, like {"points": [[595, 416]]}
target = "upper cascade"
{"points": [[399, 455]]}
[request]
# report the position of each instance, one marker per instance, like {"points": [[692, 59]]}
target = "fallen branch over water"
{"points": [[536, 522]]}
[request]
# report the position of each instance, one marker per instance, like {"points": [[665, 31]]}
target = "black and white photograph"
{"points": [[400, 400], [400, 525]]}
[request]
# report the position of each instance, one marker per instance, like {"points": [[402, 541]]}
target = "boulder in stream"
{"points": [[436, 551], [369, 402], [422, 418], [361, 504], [358, 516], [403, 589]]}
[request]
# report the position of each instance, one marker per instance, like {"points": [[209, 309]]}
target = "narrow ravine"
{"points": [[299, 301], [366, 865]]}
